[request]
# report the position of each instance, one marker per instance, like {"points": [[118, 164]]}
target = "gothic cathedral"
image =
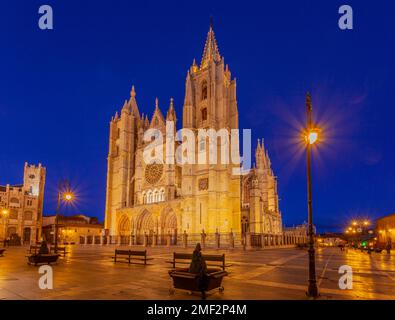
{"points": [[168, 199]]}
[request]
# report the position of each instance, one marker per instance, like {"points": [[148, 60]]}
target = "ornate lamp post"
{"points": [[64, 194], [311, 138]]}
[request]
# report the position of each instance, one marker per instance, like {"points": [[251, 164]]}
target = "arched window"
{"points": [[144, 198], [14, 200], [202, 144], [156, 196], [149, 197], [204, 114], [162, 195], [13, 214], [204, 90], [28, 215]]}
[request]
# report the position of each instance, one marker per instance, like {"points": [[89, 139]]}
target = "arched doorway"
{"points": [[26, 235], [11, 231], [145, 225], [124, 229], [168, 225]]}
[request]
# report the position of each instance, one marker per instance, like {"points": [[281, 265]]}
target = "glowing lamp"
{"points": [[68, 196]]}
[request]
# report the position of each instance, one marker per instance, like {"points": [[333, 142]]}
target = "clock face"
{"points": [[153, 172], [32, 176]]}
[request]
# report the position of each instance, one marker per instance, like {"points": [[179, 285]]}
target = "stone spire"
{"points": [[171, 113], [157, 117], [133, 104], [188, 91], [210, 52], [125, 107]]}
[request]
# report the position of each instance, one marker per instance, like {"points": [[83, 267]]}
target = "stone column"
{"points": [[86, 240], [203, 239], [217, 239], [93, 240], [168, 239], [185, 239], [263, 240], [107, 240], [130, 240]]}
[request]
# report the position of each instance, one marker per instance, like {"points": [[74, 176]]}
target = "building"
{"points": [[159, 199], [385, 230], [21, 206], [77, 229]]}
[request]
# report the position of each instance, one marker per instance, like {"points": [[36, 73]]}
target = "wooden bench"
{"points": [[2, 252], [60, 249], [42, 259], [34, 248], [130, 255], [186, 258]]}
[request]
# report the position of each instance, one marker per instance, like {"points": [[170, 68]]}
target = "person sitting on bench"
{"points": [[198, 266], [43, 248]]}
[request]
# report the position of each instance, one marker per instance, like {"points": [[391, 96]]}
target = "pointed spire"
{"points": [[125, 107], [157, 114], [210, 52], [171, 113], [188, 91], [194, 68], [133, 103]]}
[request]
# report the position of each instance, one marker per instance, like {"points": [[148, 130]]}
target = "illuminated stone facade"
{"points": [[385, 229], [169, 199], [21, 206], [76, 229]]}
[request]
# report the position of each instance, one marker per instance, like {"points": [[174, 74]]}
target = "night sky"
{"points": [[59, 89]]}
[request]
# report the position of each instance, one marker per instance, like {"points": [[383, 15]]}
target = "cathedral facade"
{"points": [[164, 199]]}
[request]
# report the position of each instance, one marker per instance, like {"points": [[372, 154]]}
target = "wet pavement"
{"points": [[88, 272]]}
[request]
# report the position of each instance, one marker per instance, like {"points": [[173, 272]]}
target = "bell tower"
{"points": [[210, 104], [210, 91]]}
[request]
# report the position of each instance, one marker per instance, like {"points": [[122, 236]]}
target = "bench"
{"points": [[34, 248], [130, 255], [60, 249], [2, 252], [186, 258], [42, 259]]}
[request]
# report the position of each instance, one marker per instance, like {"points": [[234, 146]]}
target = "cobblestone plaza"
{"points": [[88, 272]]}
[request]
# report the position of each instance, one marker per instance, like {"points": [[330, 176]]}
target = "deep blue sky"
{"points": [[59, 89]]}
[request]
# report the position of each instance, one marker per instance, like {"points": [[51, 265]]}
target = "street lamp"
{"points": [[64, 194], [311, 136]]}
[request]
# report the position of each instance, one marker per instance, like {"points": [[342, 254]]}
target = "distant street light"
{"points": [[311, 136], [64, 194]]}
